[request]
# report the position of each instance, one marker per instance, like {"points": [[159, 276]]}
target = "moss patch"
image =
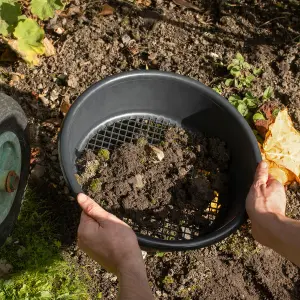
{"points": [[33, 250]]}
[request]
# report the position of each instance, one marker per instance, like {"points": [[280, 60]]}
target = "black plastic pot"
{"points": [[105, 114]]}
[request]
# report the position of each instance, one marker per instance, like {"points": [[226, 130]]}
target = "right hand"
{"points": [[107, 239], [265, 203]]}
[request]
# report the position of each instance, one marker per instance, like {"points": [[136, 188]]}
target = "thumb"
{"points": [[261, 177], [91, 208], [262, 173]]}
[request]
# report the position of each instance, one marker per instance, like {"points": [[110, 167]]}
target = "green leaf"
{"points": [[268, 93], [242, 108], [249, 79], [240, 57], [218, 89], [10, 11], [229, 82], [246, 66], [250, 100], [45, 9], [237, 83], [258, 71], [258, 116], [235, 71], [29, 41], [234, 100]]}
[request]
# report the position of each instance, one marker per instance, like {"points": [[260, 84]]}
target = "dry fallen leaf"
{"points": [[65, 106], [49, 48], [281, 149], [143, 2], [107, 10]]}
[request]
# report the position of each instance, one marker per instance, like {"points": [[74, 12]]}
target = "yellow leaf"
{"points": [[27, 52], [281, 149]]}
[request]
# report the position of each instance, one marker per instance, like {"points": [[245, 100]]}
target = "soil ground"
{"points": [[169, 37]]}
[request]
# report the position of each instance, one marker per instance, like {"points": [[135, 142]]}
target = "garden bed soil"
{"points": [[198, 44]]}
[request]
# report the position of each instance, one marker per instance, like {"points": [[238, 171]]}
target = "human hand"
{"points": [[107, 239], [265, 204]]}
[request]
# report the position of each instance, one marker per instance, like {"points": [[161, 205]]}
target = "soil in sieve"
{"points": [[132, 179]]}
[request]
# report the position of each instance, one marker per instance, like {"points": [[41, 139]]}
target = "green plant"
{"points": [[160, 254], [168, 280], [33, 250], [95, 185], [245, 105], [243, 73], [24, 35]]}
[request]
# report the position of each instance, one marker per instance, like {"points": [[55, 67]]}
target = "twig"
{"points": [[271, 21]]}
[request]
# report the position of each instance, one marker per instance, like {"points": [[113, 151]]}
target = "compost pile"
{"points": [[178, 178]]}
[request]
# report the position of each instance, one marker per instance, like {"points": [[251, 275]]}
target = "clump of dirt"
{"points": [[178, 177]]}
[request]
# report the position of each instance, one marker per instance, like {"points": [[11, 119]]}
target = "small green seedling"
{"points": [[243, 73], [245, 105], [218, 89], [160, 254], [258, 116], [104, 153], [268, 93], [168, 280], [142, 141]]}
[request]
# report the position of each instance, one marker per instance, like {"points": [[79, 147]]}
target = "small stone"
{"points": [[40, 86], [54, 95], [66, 190], [59, 30], [294, 186], [114, 279], [38, 171], [126, 39], [44, 100], [72, 81], [182, 172], [157, 152], [152, 56], [53, 158], [55, 152], [158, 293], [5, 268], [144, 254]]}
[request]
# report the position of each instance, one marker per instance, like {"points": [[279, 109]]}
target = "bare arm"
{"points": [[266, 204], [113, 244]]}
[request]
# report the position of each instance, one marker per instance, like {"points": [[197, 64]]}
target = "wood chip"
{"points": [[107, 10], [157, 152]]}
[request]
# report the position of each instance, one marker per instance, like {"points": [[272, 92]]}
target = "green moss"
{"points": [[141, 142], [99, 296], [160, 254], [168, 280], [104, 153], [95, 185], [241, 244], [33, 250]]}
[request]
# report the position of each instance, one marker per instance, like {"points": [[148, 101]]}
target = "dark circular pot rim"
{"points": [[144, 240]]}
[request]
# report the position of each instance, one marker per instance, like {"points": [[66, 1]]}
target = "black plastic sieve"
{"points": [[120, 108]]}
